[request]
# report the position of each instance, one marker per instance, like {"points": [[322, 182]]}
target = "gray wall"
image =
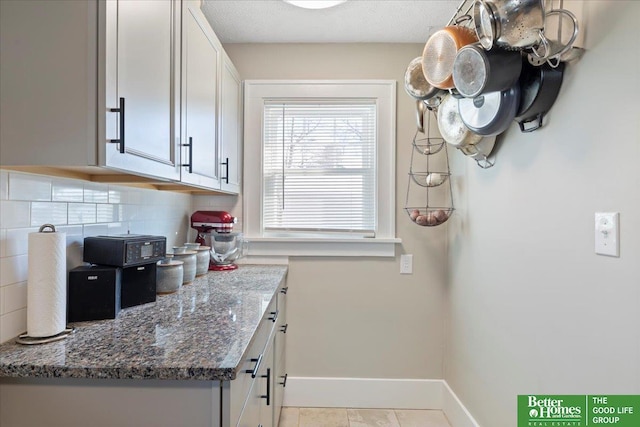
{"points": [[531, 308], [358, 317]]}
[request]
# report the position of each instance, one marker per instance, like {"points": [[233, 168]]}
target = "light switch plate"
{"points": [[607, 233], [406, 264]]}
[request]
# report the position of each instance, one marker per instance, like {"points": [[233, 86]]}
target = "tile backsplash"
{"points": [[79, 209]]}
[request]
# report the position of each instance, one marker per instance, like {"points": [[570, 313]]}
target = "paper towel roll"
{"points": [[46, 283]]}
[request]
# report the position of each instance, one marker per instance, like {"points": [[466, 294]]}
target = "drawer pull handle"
{"points": [[254, 371], [274, 316], [284, 383], [120, 110], [283, 328], [268, 395], [284, 290]]}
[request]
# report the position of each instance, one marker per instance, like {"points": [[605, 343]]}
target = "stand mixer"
{"points": [[215, 229]]}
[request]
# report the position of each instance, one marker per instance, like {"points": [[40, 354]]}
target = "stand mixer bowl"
{"points": [[225, 249]]}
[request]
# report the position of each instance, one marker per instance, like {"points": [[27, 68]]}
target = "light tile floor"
{"points": [[344, 417]]}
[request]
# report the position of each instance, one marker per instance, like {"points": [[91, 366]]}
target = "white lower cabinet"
{"points": [[254, 398]]}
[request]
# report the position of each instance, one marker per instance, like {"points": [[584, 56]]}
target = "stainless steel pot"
{"points": [[452, 128], [477, 71], [491, 113], [511, 24]]}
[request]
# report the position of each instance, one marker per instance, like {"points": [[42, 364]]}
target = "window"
{"points": [[320, 168]]}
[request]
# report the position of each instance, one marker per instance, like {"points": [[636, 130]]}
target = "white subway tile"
{"points": [[95, 230], [131, 213], [96, 193], [119, 194], [4, 185], [108, 213], [75, 244], [3, 243], [81, 213], [14, 297], [29, 187], [18, 241], [135, 196], [115, 228], [48, 213], [67, 190], [74, 232], [13, 324], [13, 269], [14, 214]]}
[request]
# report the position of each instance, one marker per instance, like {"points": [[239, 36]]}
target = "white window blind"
{"points": [[319, 168]]}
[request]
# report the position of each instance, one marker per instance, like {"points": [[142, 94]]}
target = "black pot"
{"points": [[539, 87], [491, 113], [477, 71]]}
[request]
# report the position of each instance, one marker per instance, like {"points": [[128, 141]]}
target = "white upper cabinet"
{"points": [[200, 75], [211, 107], [230, 127], [142, 38], [124, 87]]}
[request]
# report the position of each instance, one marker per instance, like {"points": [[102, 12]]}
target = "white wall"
{"points": [[531, 308], [358, 317], [79, 209]]}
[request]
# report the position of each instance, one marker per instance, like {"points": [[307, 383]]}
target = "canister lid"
{"points": [[171, 263], [182, 254]]}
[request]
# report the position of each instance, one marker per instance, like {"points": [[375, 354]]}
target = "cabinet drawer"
{"points": [[254, 356]]}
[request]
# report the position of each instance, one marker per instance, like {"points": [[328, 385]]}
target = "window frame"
{"points": [[256, 92]]}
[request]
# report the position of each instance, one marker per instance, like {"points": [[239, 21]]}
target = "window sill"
{"points": [[273, 246]]}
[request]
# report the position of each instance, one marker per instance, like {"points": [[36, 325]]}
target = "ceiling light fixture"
{"points": [[315, 4]]}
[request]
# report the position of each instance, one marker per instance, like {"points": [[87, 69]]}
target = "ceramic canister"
{"points": [[202, 260], [189, 259], [169, 276]]}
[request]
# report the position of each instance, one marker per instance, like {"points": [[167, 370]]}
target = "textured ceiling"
{"points": [[375, 21]]}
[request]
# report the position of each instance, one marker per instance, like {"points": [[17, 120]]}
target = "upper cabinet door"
{"points": [[141, 79], [230, 128], [200, 73]]}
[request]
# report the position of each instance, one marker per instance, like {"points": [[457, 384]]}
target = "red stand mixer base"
{"points": [[222, 267]]}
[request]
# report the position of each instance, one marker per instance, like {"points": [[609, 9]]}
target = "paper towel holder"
{"points": [[28, 340]]}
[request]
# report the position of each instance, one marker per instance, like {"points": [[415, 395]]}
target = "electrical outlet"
{"points": [[406, 264]]}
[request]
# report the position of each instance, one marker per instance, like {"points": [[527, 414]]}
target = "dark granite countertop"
{"points": [[200, 332]]}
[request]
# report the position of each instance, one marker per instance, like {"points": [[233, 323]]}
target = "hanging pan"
{"points": [[440, 52], [491, 113], [415, 83], [539, 87], [452, 128]]}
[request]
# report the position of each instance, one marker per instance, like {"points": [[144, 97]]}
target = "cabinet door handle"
{"points": [[284, 290], [284, 383], [283, 328], [226, 176], [268, 395], [120, 110], [190, 164], [254, 371], [274, 316]]}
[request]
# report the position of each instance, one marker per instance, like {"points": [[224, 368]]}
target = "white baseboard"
{"points": [[455, 411], [317, 392]]}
